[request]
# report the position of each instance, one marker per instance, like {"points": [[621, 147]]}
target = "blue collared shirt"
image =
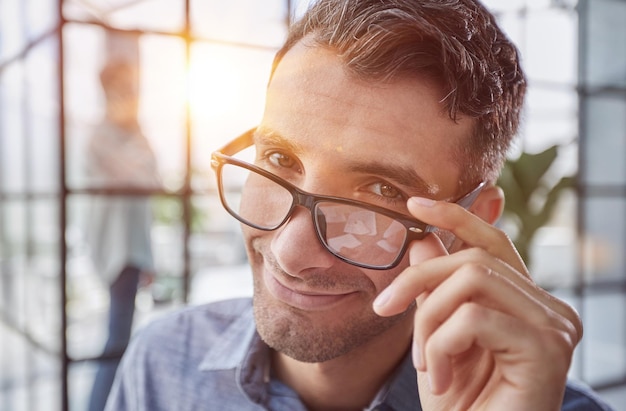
{"points": [[210, 357]]}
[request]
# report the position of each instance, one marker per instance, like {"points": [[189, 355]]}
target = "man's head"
{"points": [[455, 43], [375, 102]]}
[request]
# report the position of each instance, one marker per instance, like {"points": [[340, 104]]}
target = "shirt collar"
{"points": [[237, 337], [402, 391]]}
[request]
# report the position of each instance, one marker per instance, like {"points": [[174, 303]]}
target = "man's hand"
{"points": [[485, 337]]}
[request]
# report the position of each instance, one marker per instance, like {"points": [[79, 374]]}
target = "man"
{"points": [[384, 119]]}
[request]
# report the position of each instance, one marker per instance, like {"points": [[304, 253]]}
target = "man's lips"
{"points": [[308, 300]]}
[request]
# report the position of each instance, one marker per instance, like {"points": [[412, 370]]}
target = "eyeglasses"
{"points": [[356, 232]]}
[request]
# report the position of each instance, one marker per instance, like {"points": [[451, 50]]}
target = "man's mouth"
{"points": [[303, 298]]}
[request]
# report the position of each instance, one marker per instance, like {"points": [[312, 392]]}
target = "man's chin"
{"points": [[315, 337]]}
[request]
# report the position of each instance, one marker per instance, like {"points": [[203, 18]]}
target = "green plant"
{"points": [[530, 195]]}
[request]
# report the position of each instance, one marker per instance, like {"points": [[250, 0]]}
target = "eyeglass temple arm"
{"points": [[238, 144], [468, 199]]}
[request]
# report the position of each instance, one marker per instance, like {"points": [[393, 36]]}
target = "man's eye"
{"points": [[281, 160], [386, 190]]}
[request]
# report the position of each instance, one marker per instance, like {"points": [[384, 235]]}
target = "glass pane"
{"points": [[161, 15], [24, 22], [227, 95], [551, 117], [554, 250], [167, 242], [216, 236], [44, 388], [116, 245], [12, 36], [604, 239], [12, 133], [41, 16], [29, 122], [551, 57], [84, 107], [87, 298], [603, 22], [42, 128], [105, 235], [14, 286], [605, 131], [14, 248], [161, 111], [218, 257], [80, 380], [240, 21], [43, 298], [30, 304], [604, 352], [32, 375], [13, 368]]}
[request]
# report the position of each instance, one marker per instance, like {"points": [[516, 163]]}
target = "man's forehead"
{"points": [[402, 122]]}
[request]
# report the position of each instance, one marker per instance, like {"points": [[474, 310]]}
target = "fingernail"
{"points": [[383, 298], [417, 356], [423, 201]]}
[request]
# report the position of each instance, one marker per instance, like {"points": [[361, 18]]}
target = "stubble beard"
{"points": [[301, 336]]}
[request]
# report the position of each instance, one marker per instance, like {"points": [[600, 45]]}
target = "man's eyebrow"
{"points": [[268, 137], [403, 175]]}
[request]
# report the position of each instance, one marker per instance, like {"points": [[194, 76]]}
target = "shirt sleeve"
{"points": [[579, 397]]}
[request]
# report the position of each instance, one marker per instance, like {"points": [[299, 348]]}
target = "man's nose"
{"points": [[296, 246]]}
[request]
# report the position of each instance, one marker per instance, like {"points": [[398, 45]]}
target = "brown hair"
{"points": [[455, 42]]}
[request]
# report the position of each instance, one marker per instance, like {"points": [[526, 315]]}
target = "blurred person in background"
{"points": [[120, 157]]}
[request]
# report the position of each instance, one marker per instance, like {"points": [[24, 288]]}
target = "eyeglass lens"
{"points": [[354, 233]]}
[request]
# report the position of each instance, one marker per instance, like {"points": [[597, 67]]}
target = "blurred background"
{"points": [[199, 73]]}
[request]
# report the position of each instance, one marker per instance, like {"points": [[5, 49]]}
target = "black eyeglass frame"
{"points": [[416, 229]]}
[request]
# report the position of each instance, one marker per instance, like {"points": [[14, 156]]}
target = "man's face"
{"points": [[339, 136]]}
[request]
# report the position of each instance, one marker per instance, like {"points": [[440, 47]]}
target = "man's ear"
{"points": [[489, 204]]}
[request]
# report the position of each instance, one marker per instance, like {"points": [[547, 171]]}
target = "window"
{"points": [[202, 69]]}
